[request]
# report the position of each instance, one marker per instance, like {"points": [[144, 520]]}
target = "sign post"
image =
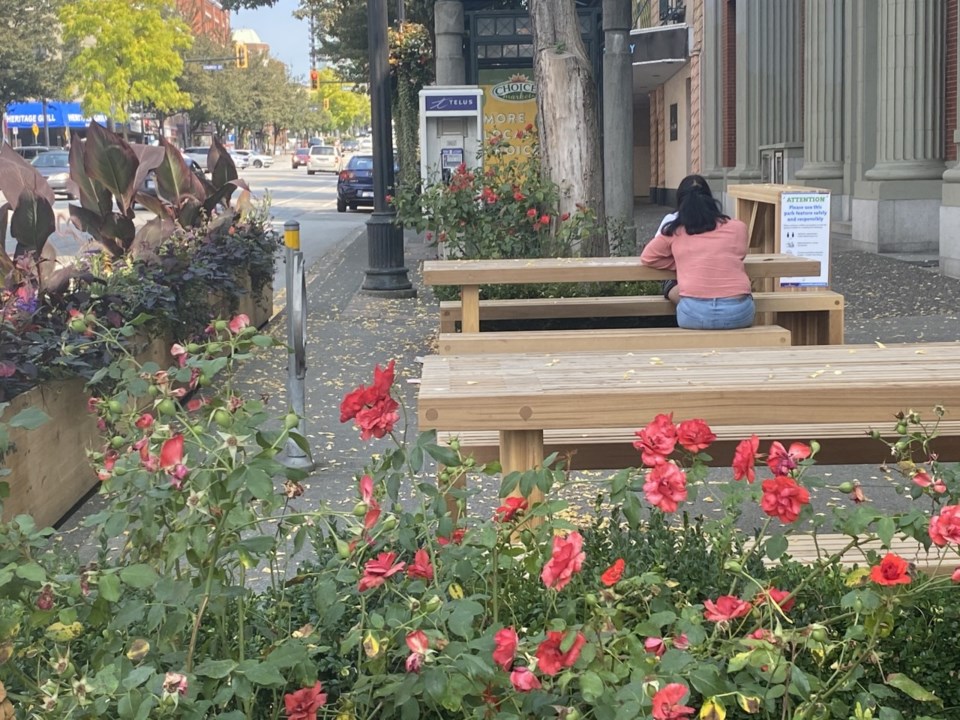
{"points": [[36, 132]]}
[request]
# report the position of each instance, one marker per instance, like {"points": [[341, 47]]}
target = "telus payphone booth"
{"points": [[451, 130]]}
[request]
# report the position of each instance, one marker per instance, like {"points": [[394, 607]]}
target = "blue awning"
{"points": [[59, 114]]}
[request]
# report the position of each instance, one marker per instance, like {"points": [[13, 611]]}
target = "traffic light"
{"points": [[241, 55], [326, 103], [314, 79]]}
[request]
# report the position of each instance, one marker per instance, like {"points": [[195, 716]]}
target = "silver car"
{"points": [[54, 165], [254, 159], [324, 158]]}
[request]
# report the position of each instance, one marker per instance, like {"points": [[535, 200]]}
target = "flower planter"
{"points": [[49, 468], [259, 309]]}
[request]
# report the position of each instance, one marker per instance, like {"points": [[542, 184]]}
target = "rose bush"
{"points": [[214, 593]]}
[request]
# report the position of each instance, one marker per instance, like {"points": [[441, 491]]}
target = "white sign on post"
{"points": [[805, 232]]}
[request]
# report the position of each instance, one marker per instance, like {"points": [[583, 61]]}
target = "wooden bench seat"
{"points": [[814, 317], [612, 448], [804, 548], [469, 275], [555, 341]]}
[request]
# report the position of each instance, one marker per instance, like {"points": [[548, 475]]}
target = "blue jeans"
{"points": [[716, 313]]}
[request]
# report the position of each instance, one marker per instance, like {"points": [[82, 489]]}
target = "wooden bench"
{"points": [[551, 341], [814, 317], [469, 275], [535, 403], [815, 389]]}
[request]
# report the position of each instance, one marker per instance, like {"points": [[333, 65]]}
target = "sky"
{"points": [[287, 37]]}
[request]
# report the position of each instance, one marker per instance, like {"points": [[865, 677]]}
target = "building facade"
{"points": [[206, 18], [855, 96]]}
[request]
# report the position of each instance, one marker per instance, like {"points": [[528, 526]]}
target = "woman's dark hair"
{"points": [[697, 210]]}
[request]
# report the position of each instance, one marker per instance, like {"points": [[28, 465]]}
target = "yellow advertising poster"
{"points": [[509, 106]]}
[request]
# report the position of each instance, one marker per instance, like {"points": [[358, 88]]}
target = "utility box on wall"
{"points": [[451, 130]]}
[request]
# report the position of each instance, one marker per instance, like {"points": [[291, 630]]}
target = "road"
{"points": [[294, 195]]}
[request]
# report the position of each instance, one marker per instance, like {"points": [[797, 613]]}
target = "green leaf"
{"points": [[138, 677], [905, 685], [461, 620], [443, 455], [435, 682], [591, 686], [109, 586], [264, 674], [776, 546], [216, 669], [29, 418], [258, 483], [32, 571], [110, 161], [139, 576], [885, 529]]}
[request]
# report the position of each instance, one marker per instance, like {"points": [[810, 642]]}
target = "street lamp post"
{"points": [[386, 275]]}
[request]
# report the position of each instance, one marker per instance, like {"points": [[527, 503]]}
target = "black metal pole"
{"points": [[46, 123], [386, 274]]}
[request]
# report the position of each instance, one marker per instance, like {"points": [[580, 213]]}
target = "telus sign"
{"points": [[440, 103]]}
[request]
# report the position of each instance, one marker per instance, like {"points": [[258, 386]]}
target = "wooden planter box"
{"points": [[49, 468]]}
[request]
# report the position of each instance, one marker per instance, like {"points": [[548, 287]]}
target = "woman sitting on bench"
{"points": [[706, 248]]}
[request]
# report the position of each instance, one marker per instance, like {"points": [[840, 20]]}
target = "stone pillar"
{"points": [[950, 207], [896, 207], [448, 25], [769, 96], [910, 97], [711, 92], [618, 126], [823, 94]]}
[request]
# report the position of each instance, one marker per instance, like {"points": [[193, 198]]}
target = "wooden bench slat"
{"points": [[803, 549], [577, 270], [555, 341], [727, 386], [814, 317]]}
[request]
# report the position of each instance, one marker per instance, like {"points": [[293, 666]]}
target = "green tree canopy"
{"points": [[30, 52], [126, 52]]}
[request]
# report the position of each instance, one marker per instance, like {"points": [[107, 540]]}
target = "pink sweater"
{"points": [[709, 265]]}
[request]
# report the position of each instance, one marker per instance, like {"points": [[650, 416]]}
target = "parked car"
{"points": [[254, 159], [355, 183], [198, 155], [149, 186], [239, 159], [300, 157], [54, 165], [29, 152], [323, 158]]}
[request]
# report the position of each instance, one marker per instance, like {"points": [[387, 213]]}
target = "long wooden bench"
{"points": [[550, 341], [536, 403], [469, 275], [814, 317]]}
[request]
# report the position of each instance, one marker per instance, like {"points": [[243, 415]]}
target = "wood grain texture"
{"points": [[805, 385]]}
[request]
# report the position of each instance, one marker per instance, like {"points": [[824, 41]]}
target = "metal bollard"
{"points": [[296, 339]]}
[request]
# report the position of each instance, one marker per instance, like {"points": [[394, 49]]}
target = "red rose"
{"points": [[695, 435], [505, 647], [655, 646], [544, 219], [565, 560], [783, 498], [551, 660], [657, 440], [892, 570], [378, 419], [171, 452], [511, 507], [456, 538], [782, 461], [524, 681], [666, 703], [145, 421], [745, 458], [726, 608], [238, 323], [532, 213], [780, 598], [665, 487], [421, 566], [377, 570], [304, 704], [611, 576]]}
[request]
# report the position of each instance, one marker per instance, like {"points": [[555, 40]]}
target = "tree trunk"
{"points": [[567, 113]]}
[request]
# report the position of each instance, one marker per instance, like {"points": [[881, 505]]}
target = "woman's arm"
{"points": [[658, 254]]}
